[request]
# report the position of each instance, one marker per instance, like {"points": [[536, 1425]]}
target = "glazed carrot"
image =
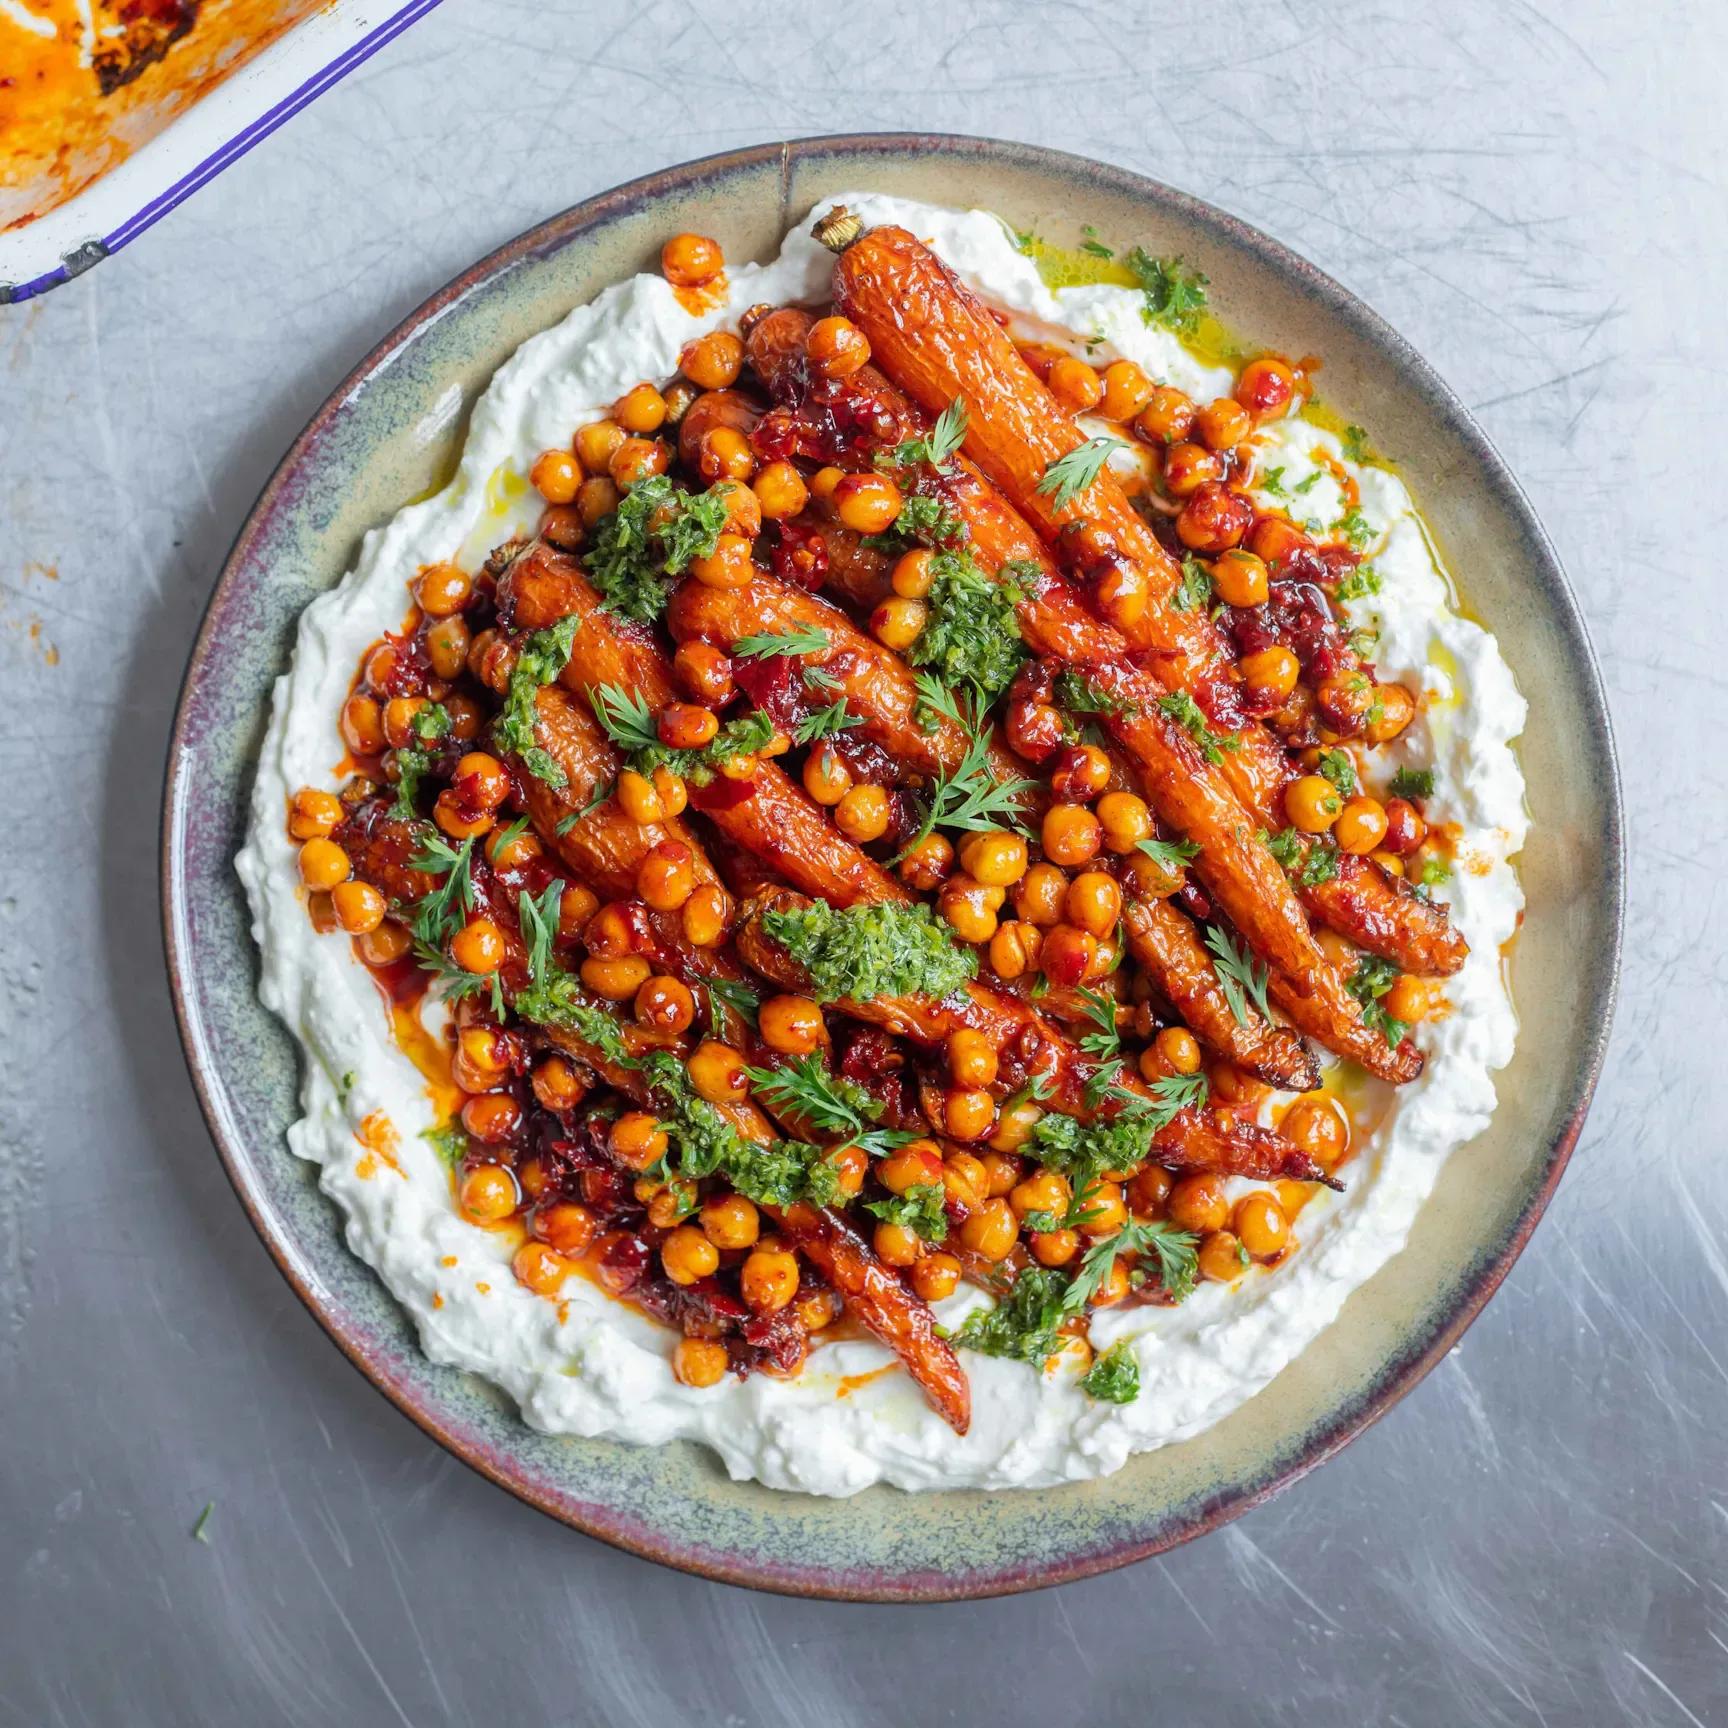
{"points": [[1169, 949], [937, 341]]}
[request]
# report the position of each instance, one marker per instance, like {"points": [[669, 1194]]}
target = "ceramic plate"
{"points": [[392, 430]]}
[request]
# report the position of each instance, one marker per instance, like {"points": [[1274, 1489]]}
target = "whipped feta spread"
{"points": [[589, 1365]]}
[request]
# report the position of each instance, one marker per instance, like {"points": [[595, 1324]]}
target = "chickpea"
{"points": [[837, 347], [936, 1276], [1233, 1085], [743, 513], [704, 673], [399, 714], [685, 725], [636, 460], [780, 491], [1125, 821], [1198, 1203], [1123, 596], [791, 1025], [482, 1058], [1014, 949], [769, 1279], [596, 499], [971, 1058], [1261, 1226], [823, 482], [863, 814], [895, 1245], [1149, 1191], [730, 1221], [1214, 519], [358, 906], [1266, 387], [362, 725], [1405, 828], [1075, 385], [713, 362], [457, 819], [569, 1228], [637, 1140], [691, 260], [1054, 1247], [1188, 467], [557, 1087], [717, 1073], [576, 905], [666, 1004], [1397, 709], [666, 878], [1240, 578], [826, 777], [867, 503], [556, 474], [707, 916], [727, 566], [1093, 902], [1223, 424], [1068, 955], [965, 1178], [1081, 773], [444, 589], [447, 644], [313, 814], [383, 946], [898, 623], [1390, 862], [914, 573], [725, 454], [1220, 1257], [488, 1193], [636, 795], [1271, 675], [669, 1204], [1316, 1126], [1167, 418], [597, 443], [1039, 895], [492, 1118], [1071, 834], [1173, 1051], [969, 908], [323, 864], [1104, 1200], [967, 1113], [1113, 1289], [1043, 1191], [1014, 1127], [991, 1231], [671, 791], [1274, 540], [928, 864], [1002, 1173], [541, 1268], [478, 946], [1410, 999], [850, 1165], [617, 980], [688, 1256], [1345, 702], [1034, 729], [1127, 391], [699, 1362], [482, 780], [994, 858], [1312, 803]]}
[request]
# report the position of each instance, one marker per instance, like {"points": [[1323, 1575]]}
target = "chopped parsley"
{"points": [[1353, 525], [1185, 711], [449, 1140], [1359, 583], [540, 658], [1115, 1377], [971, 798], [864, 952], [1193, 593], [825, 723], [1174, 295], [1272, 484], [413, 761], [828, 1104], [1240, 975], [1171, 856], [1304, 487], [1023, 1324], [1336, 766], [945, 437], [1070, 475], [1413, 783], [629, 723], [1308, 860], [800, 640], [1355, 444], [921, 1209], [1434, 871], [971, 637], [1079, 695], [922, 521], [1092, 245], [656, 533], [1371, 980]]}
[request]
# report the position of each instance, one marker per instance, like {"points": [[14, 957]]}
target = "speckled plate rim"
{"points": [[1400, 1371]]}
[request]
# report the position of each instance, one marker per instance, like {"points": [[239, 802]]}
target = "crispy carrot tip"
{"points": [[838, 229]]}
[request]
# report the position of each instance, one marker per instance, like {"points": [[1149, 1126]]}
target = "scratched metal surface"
{"points": [[1533, 193]]}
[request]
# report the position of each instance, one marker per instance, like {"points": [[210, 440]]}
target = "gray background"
{"points": [[1533, 193]]}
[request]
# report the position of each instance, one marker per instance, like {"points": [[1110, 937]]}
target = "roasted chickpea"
{"points": [[1039, 894], [447, 644], [730, 1221], [556, 474], [637, 1140], [688, 1256], [1109, 1210], [1316, 1126], [1223, 424], [569, 1228], [615, 979], [1266, 387], [819, 1310], [597, 443], [1410, 999], [482, 780], [780, 491], [1122, 596], [717, 1073], [399, 714], [1014, 949], [1214, 519], [666, 1004], [1093, 902], [1312, 803], [969, 908], [1221, 1258], [383, 946], [1173, 1051], [313, 814], [726, 455], [1273, 540], [444, 589], [896, 1245], [691, 260], [1043, 1191], [1127, 391], [1149, 1190], [1002, 1171], [967, 1113], [685, 725], [1035, 730], [792, 1025], [636, 460], [1261, 1226], [492, 1118], [638, 799], [671, 790], [1240, 578], [1405, 828], [358, 906], [915, 1165], [576, 905], [971, 1058], [1271, 675], [823, 482], [936, 1276], [459, 820], [323, 864], [666, 878], [863, 814], [1167, 418], [362, 725], [1014, 1125], [1361, 825], [1114, 1289], [826, 777], [1125, 821], [1053, 1247], [743, 513], [1198, 1203], [668, 1205], [481, 1059], [996, 859], [1397, 708], [1074, 384], [713, 362], [867, 503], [699, 1362], [556, 1084], [897, 623], [704, 673], [1346, 701], [1068, 956], [1188, 467], [478, 946], [914, 573], [965, 1179], [769, 1279], [991, 1231], [1082, 771], [837, 347], [488, 1193], [707, 916], [541, 1268], [596, 498], [1071, 834], [727, 566]]}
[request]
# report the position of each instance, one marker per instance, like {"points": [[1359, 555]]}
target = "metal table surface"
{"points": [[1532, 190]]}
